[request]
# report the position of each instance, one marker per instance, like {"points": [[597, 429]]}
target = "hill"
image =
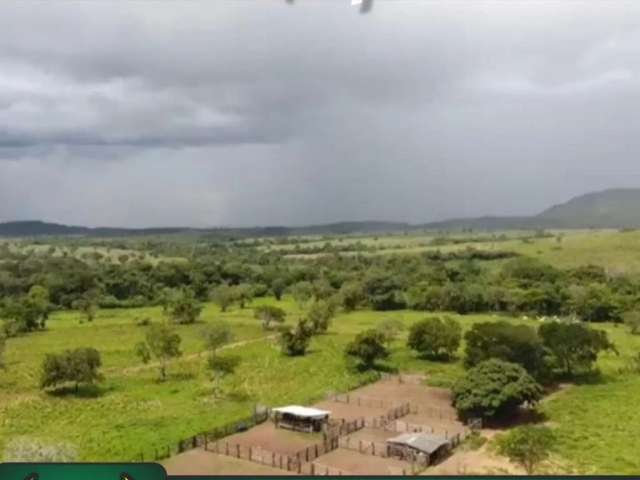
{"points": [[607, 209], [617, 208]]}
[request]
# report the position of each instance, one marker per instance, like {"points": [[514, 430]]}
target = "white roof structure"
{"points": [[304, 412]]}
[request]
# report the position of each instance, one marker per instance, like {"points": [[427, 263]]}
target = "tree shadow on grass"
{"points": [[83, 391], [523, 416]]}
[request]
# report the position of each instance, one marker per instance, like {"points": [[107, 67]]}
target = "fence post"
{"points": [[313, 469]]}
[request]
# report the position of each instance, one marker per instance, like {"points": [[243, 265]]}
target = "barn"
{"points": [[423, 448], [302, 419]]}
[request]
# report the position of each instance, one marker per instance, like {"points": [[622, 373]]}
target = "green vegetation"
{"points": [[72, 366], [130, 410], [494, 389], [435, 338], [527, 446]]}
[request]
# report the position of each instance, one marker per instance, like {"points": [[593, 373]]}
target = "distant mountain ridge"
{"points": [[615, 208]]}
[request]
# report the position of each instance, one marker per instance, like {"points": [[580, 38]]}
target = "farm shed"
{"points": [[424, 448], [303, 419]]}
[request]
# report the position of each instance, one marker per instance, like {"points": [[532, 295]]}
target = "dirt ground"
{"points": [[200, 462], [278, 440], [476, 462], [354, 463], [371, 435], [349, 411], [409, 391]]}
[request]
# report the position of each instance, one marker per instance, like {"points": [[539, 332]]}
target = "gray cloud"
{"points": [[258, 112]]}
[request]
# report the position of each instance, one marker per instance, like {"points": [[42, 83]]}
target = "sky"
{"points": [[268, 112]]}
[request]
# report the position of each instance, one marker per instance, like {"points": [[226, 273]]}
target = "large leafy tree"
{"points": [[505, 341], [574, 347], [494, 389], [435, 338], [295, 341]]}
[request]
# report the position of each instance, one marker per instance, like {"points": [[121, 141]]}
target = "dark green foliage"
{"points": [[351, 296], [294, 342], [79, 366], [221, 367], [494, 389], [162, 343], [301, 292], [278, 287], [383, 291], [367, 348], [435, 338], [526, 271], [185, 308], [573, 347], [506, 341], [320, 314], [269, 314], [3, 346], [527, 446], [595, 303]]}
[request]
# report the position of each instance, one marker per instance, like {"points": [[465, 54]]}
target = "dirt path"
{"points": [[192, 356]]}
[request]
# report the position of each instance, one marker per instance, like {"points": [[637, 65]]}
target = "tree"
{"points": [[351, 296], [383, 291], [527, 446], [595, 303], [436, 338], [320, 315], [505, 341], [72, 366], [243, 293], [574, 346], [278, 286], [294, 342], [217, 335], [301, 293], [223, 296], [632, 320], [367, 348], [390, 328], [221, 367], [87, 304], [269, 314], [494, 388], [162, 343], [185, 308], [38, 300]]}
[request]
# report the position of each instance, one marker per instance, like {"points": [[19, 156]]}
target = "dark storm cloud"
{"points": [[259, 112]]}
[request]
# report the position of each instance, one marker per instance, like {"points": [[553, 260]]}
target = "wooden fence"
{"points": [[434, 412], [401, 426], [382, 421], [201, 440]]}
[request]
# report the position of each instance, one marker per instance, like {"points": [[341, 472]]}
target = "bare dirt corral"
{"points": [[349, 462], [200, 462], [278, 440], [348, 411]]}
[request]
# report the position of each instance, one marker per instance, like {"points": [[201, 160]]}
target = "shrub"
{"points": [[527, 446], [185, 308], [436, 338], [269, 314], [367, 347], [294, 342], [73, 366], [493, 389]]}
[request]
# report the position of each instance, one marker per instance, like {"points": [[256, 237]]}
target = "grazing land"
{"points": [[130, 414]]}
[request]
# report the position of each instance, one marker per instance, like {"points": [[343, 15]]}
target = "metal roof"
{"points": [[424, 442], [305, 412]]}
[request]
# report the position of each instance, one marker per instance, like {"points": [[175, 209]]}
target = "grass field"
{"points": [[133, 410]]}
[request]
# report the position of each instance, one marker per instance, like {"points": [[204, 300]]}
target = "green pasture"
{"points": [[132, 412]]}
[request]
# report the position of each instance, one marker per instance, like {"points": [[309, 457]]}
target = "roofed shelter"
{"points": [[302, 419], [424, 447]]}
